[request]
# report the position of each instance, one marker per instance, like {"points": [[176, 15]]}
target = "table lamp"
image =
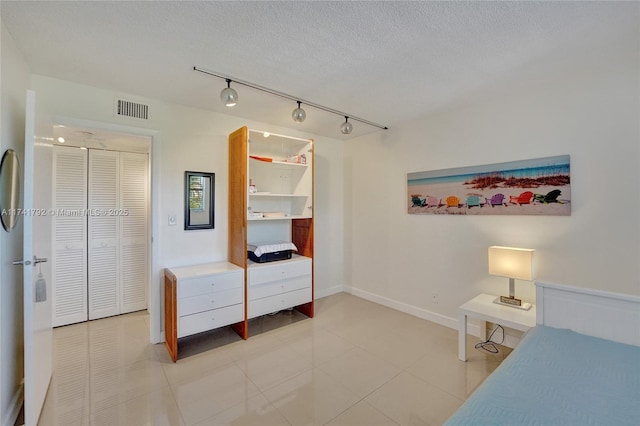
{"points": [[513, 263]]}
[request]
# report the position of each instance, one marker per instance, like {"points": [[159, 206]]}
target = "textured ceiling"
{"points": [[383, 61]]}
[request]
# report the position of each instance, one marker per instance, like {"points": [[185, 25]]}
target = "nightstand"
{"points": [[483, 308]]}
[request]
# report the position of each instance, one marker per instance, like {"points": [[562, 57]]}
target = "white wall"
{"points": [[193, 139], [14, 82], [581, 103]]}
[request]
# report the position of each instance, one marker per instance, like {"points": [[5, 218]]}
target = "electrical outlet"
{"points": [[434, 298]]}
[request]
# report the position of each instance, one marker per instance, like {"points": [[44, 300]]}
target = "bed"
{"points": [[580, 365]]}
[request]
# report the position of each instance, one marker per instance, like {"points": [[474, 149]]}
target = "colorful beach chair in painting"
{"points": [[433, 202], [417, 201], [496, 200], [473, 201], [453, 201], [551, 197], [524, 198]]}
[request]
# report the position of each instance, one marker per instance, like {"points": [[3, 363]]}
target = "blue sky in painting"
{"points": [[524, 168]]}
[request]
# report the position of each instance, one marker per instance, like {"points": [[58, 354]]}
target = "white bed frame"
{"points": [[611, 316]]}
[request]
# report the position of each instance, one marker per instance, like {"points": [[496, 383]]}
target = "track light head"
{"points": [[346, 127], [298, 114], [228, 96]]}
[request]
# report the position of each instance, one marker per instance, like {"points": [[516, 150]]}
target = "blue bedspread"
{"points": [[559, 377]]}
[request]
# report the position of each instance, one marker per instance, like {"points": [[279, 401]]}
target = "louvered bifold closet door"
{"points": [[133, 231], [70, 235], [103, 234]]}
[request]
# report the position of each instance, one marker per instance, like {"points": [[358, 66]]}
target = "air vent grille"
{"points": [[132, 109]]}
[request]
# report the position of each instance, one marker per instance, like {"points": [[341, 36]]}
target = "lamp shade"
{"points": [[346, 127], [299, 114], [229, 97], [511, 262]]}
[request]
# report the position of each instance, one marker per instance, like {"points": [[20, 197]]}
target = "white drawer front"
{"points": [[208, 284], [273, 288], [206, 302], [209, 320], [279, 302], [279, 271]]}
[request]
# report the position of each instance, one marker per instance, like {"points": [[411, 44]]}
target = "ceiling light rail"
{"points": [[298, 114]]}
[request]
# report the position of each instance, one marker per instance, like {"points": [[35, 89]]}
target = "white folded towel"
{"points": [[271, 247]]}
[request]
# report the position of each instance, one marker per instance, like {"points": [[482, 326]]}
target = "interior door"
{"points": [[132, 249], [38, 350], [104, 297], [69, 265]]}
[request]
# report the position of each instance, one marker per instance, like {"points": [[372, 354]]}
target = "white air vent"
{"points": [[124, 108]]}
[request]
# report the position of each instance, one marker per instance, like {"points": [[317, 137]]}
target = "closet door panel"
{"points": [[103, 277], [70, 232], [103, 234], [133, 217]]}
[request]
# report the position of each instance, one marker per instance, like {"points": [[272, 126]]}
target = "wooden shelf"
{"points": [[288, 188]]}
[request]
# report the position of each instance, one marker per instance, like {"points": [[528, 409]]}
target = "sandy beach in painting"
{"points": [[458, 189]]}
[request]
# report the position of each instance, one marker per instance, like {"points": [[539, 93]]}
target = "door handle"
{"points": [[36, 260]]}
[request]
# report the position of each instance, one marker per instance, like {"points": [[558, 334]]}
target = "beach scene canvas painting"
{"points": [[540, 186]]}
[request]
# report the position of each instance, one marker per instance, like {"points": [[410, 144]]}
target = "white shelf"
{"points": [[278, 218], [278, 195], [278, 164]]}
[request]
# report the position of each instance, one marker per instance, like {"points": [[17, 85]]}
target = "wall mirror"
{"points": [[9, 189], [199, 194]]}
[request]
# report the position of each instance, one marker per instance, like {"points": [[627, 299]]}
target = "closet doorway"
{"points": [[101, 224]]}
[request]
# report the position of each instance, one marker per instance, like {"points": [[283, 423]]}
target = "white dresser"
{"points": [[278, 285], [200, 298]]}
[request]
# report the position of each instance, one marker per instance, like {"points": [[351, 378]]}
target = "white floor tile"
{"points": [[311, 398], [355, 363], [410, 401]]}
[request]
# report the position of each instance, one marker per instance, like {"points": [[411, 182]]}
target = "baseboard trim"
{"points": [[425, 314], [14, 406], [328, 291]]}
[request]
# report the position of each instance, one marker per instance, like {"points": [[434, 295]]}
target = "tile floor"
{"points": [[355, 363]]}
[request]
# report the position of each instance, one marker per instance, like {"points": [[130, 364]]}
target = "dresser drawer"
{"points": [[209, 320], [206, 302], [276, 303], [274, 288], [279, 270], [208, 284]]}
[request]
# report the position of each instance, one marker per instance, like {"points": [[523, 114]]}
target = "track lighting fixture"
{"points": [[298, 114], [346, 127], [228, 96]]}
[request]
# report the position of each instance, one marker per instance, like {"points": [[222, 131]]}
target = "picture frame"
{"points": [[199, 200], [540, 186]]}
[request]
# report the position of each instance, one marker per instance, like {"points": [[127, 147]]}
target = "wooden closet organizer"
{"points": [[279, 207]]}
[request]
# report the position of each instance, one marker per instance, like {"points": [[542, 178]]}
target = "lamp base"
{"points": [[512, 302]]}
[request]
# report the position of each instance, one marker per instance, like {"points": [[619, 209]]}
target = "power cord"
{"points": [[489, 345]]}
